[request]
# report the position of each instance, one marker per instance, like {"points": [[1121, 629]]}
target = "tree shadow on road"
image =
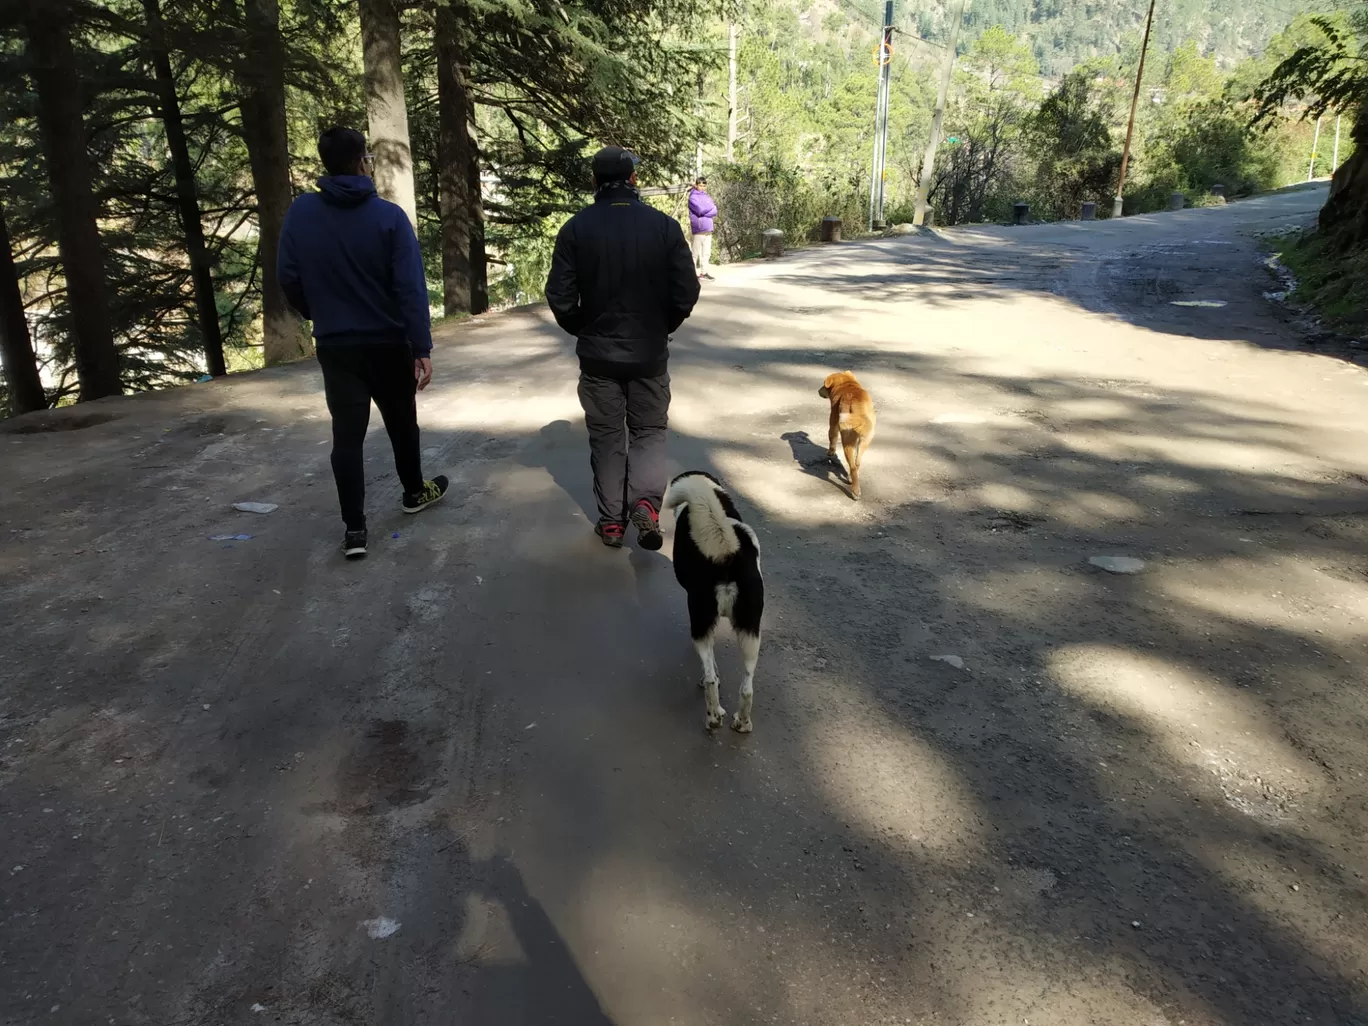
{"points": [[1101, 817], [1129, 773]]}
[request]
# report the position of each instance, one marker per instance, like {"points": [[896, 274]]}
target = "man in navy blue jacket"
{"points": [[349, 261]]}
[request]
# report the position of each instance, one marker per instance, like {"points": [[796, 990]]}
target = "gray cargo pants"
{"points": [[627, 421]]}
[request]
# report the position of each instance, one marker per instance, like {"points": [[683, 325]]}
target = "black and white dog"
{"points": [[717, 562]]}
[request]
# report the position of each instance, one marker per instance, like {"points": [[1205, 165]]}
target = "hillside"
{"points": [[1063, 33]]}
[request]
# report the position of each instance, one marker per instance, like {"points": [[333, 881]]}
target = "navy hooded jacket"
{"points": [[349, 261]]}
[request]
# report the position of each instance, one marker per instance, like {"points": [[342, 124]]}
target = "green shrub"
{"points": [[754, 197]]}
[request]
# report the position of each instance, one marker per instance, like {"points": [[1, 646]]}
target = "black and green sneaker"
{"points": [[647, 522], [354, 544], [416, 502], [610, 534]]}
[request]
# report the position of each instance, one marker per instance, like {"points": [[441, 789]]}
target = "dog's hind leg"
{"points": [[750, 655], [714, 714], [703, 626], [851, 443]]}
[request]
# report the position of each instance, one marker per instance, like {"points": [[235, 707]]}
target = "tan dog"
{"points": [[852, 418]]}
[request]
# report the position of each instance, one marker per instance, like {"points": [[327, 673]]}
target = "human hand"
{"points": [[422, 371]]}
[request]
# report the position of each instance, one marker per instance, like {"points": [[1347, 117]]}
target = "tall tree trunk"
{"points": [[16, 344], [268, 149], [453, 159], [731, 91], [187, 193], [479, 267], [57, 77], [386, 112]]}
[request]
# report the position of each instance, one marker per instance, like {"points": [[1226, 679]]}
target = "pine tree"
{"points": [[25, 387], [187, 191], [386, 109], [460, 205], [261, 76], [49, 26]]}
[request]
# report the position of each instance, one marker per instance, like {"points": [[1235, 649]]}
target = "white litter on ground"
{"points": [[1205, 304], [952, 660], [379, 929], [255, 507], [1118, 564]]}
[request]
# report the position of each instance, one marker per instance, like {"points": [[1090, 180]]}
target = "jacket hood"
{"points": [[346, 190]]}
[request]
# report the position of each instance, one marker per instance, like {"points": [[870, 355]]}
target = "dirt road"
{"points": [[466, 781]]}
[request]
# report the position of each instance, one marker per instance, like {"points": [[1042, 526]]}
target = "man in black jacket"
{"points": [[622, 281]]}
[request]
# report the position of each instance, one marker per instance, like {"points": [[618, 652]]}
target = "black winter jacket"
{"points": [[622, 281]]}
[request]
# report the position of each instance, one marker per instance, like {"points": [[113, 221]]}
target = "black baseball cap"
{"points": [[614, 164]]}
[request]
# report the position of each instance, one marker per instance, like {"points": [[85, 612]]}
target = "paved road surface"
{"points": [[467, 782]]}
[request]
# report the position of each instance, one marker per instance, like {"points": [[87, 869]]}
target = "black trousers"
{"points": [[353, 375], [627, 422]]}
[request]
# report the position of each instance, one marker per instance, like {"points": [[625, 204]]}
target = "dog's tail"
{"points": [[713, 531]]}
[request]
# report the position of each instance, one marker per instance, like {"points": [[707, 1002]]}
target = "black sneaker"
{"points": [[647, 522], [610, 534], [432, 492], [354, 544]]}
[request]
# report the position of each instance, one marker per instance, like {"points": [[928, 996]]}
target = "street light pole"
{"points": [[1130, 127]]}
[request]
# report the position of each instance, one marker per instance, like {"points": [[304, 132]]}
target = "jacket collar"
{"points": [[616, 192]]}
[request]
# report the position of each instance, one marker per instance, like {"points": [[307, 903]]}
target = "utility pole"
{"points": [[733, 32], [937, 121], [1130, 127], [883, 56], [1315, 141]]}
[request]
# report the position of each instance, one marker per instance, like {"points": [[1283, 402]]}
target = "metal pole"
{"points": [[1334, 161], [1130, 127], [929, 162], [876, 169], [884, 58], [1315, 141]]}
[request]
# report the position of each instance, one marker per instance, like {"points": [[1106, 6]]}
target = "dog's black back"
{"points": [[708, 582]]}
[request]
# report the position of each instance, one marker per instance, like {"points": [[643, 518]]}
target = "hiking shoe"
{"points": [[416, 502], [354, 544], [610, 534], [647, 522]]}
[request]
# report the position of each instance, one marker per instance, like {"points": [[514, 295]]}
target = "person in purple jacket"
{"points": [[702, 210]]}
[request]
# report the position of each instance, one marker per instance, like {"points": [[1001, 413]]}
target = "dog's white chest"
{"points": [[726, 600]]}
